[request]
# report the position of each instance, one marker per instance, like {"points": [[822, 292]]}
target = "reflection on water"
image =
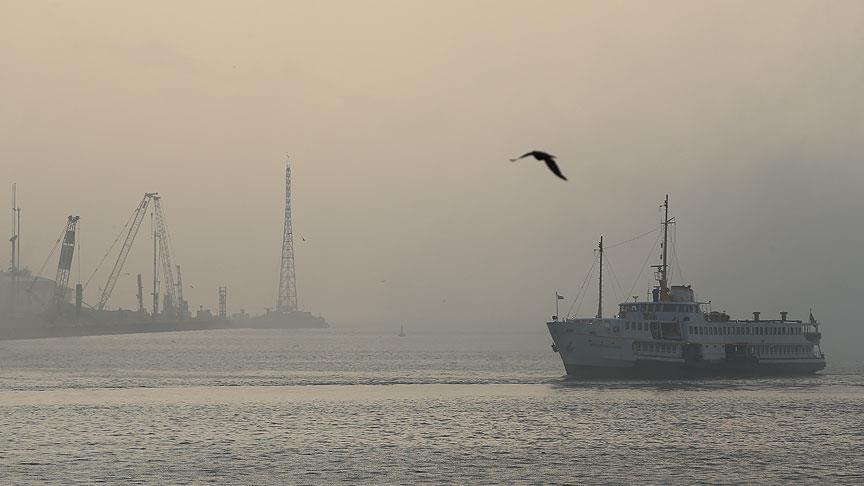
{"points": [[271, 407]]}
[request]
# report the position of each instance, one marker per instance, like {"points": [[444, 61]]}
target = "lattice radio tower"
{"points": [[287, 299]]}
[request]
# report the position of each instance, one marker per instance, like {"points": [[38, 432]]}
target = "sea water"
{"points": [[276, 407]]}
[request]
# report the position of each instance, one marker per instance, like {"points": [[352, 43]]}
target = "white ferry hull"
{"points": [[592, 355]]}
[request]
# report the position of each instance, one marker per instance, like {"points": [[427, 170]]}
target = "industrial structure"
{"points": [[64, 267], [173, 306], [287, 313], [42, 307], [287, 298]]}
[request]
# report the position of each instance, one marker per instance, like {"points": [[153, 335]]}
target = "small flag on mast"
{"points": [[812, 319], [560, 297]]}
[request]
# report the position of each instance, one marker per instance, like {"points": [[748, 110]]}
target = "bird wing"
{"points": [[554, 168], [522, 156]]}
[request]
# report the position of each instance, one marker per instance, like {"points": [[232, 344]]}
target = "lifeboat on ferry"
{"points": [[716, 316]]}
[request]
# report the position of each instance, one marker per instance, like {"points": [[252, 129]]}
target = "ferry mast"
{"points": [[600, 291], [663, 268]]}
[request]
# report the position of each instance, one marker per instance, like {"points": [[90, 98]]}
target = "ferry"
{"points": [[674, 335]]}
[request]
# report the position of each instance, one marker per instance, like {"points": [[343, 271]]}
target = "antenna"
{"points": [[15, 241], [287, 298]]}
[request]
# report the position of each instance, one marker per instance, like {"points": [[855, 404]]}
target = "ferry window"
{"points": [[668, 308]]}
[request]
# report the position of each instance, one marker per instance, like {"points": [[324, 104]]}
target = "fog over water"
{"points": [[400, 117]]}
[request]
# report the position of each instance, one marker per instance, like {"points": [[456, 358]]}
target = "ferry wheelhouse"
{"points": [[673, 334]]}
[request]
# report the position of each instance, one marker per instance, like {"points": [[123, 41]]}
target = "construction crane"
{"points": [[137, 219], [64, 267], [164, 239]]}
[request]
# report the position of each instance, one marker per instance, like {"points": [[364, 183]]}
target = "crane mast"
{"points": [[182, 305], [64, 267], [137, 219], [140, 295]]}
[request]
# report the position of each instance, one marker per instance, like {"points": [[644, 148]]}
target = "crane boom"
{"points": [[64, 267], [137, 219], [165, 254]]}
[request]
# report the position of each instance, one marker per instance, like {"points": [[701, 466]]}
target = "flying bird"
{"points": [[548, 158]]}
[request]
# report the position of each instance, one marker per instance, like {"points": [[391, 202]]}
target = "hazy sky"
{"points": [[400, 116]]}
